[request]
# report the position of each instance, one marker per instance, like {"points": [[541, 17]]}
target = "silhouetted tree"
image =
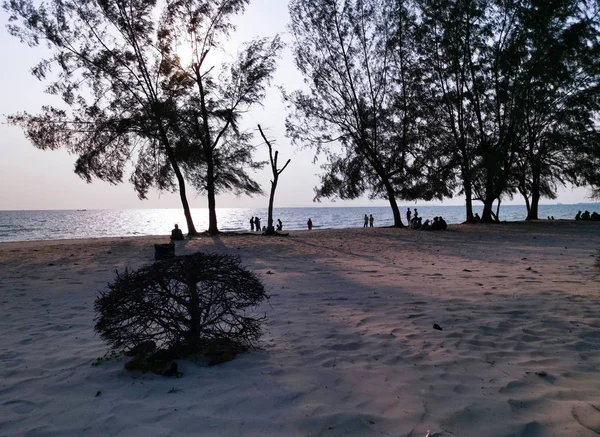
{"points": [[220, 153], [133, 97], [560, 78], [276, 173], [362, 103], [112, 65]]}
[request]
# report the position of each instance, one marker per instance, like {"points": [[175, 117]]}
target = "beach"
{"points": [[349, 347]]}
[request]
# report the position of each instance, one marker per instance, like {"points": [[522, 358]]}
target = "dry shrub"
{"points": [[193, 304]]}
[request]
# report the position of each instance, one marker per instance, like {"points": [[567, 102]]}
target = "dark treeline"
{"points": [[429, 98], [416, 99]]}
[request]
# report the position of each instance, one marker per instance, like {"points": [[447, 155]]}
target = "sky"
{"points": [[32, 179]]}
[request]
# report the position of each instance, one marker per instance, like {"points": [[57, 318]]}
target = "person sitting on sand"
{"points": [[309, 224], [371, 220], [578, 216], [416, 223], [366, 221], [279, 225], [585, 215], [176, 233], [442, 223], [252, 224], [426, 226], [595, 216], [477, 218]]}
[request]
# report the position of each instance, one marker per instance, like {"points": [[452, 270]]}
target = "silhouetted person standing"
{"points": [[279, 225], [257, 224], [371, 220], [252, 223], [366, 221], [309, 224], [408, 214], [176, 233]]}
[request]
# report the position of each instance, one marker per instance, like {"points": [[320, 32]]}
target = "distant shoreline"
{"points": [[461, 227]]}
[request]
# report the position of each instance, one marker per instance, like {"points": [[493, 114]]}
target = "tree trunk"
{"points": [[533, 212], [468, 197], [487, 214], [395, 210], [182, 193], [270, 227], [210, 191]]}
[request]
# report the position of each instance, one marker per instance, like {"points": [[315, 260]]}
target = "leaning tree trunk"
{"points": [[395, 210], [182, 192]]}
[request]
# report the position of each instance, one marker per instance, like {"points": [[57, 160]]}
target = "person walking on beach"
{"points": [[408, 214], [309, 224], [252, 224], [371, 220], [257, 224], [366, 221]]}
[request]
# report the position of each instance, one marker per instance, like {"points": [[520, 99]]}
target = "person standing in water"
{"points": [[309, 224]]}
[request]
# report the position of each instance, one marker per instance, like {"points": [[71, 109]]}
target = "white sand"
{"points": [[349, 350]]}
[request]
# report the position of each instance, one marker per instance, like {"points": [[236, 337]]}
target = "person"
{"points": [[578, 216], [408, 214], [585, 215], [264, 229], [426, 226], [279, 225], [442, 223], [252, 224], [366, 221], [595, 216], [176, 233], [371, 220], [309, 224], [257, 224], [416, 214], [477, 218]]}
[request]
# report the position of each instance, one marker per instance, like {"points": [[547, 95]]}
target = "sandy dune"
{"points": [[349, 349]]}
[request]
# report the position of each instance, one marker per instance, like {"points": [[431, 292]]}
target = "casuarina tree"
{"points": [[218, 94], [110, 65], [362, 104]]}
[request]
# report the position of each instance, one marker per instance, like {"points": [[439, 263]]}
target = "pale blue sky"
{"points": [[35, 179]]}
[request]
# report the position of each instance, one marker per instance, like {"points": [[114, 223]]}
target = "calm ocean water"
{"points": [[53, 225]]}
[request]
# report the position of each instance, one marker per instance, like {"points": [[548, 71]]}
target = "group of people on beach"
{"points": [[369, 220], [587, 216], [415, 222], [255, 225]]}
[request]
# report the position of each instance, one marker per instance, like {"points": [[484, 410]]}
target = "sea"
{"points": [[69, 224]]}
